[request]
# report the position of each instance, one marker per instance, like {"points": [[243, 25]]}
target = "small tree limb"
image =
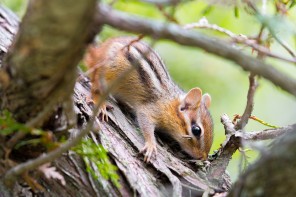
{"points": [[127, 22], [11, 175], [41, 62], [233, 141], [250, 103], [273, 174], [239, 39], [266, 134]]}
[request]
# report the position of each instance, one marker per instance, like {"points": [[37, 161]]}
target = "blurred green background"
{"points": [[226, 82]]}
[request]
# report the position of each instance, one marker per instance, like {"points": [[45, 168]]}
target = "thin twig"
{"points": [[35, 122], [250, 103], [136, 24], [163, 2], [240, 39], [233, 141], [11, 175], [266, 134], [169, 17], [271, 30], [204, 24], [228, 125], [237, 116]]}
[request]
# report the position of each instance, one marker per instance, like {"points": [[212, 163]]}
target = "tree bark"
{"points": [[274, 174], [41, 63], [32, 80], [164, 175]]}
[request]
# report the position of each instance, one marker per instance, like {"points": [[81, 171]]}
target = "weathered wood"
{"points": [[41, 63], [274, 174], [121, 137], [8, 28], [166, 175]]}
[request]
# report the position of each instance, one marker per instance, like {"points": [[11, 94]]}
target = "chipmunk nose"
{"points": [[201, 155]]}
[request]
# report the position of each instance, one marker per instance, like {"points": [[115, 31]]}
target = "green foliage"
{"points": [[207, 10], [96, 154], [223, 80], [293, 3], [236, 11], [18, 6], [9, 125]]}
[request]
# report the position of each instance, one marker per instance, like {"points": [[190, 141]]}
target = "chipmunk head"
{"points": [[197, 133]]}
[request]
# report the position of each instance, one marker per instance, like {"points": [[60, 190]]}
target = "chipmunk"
{"points": [[157, 101]]}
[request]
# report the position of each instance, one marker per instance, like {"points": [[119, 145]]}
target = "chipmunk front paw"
{"points": [[149, 150]]}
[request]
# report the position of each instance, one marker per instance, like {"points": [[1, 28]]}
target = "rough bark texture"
{"points": [[166, 175], [40, 66], [274, 174]]}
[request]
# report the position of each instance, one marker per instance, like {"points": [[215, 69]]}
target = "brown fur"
{"points": [[152, 93]]}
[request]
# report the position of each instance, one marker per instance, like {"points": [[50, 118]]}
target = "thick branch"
{"points": [[272, 175], [227, 149], [174, 32], [233, 141], [41, 64]]}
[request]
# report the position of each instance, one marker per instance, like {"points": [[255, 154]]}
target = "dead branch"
{"points": [[227, 149], [271, 29], [127, 22], [273, 174], [233, 141], [250, 103], [266, 134], [240, 39]]}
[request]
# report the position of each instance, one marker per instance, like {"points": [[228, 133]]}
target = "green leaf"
{"points": [[96, 154], [293, 3], [236, 12], [8, 125], [207, 10]]}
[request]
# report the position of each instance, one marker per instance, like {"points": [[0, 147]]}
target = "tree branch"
{"points": [[233, 141], [41, 63], [273, 174], [38, 77], [270, 28], [250, 103], [240, 39], [174, 32], [11, 175], [266, 134], [225, 152]]}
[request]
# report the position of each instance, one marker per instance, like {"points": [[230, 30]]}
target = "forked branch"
{"points": [[156, 29]]}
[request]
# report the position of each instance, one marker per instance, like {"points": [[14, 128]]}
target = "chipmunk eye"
{"points": [[196, 130]]}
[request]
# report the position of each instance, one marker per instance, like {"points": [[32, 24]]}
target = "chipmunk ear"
{"points": [[192, 99], [206, 99]]}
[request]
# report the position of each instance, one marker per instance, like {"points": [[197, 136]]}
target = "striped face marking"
{"points": [[198, 137]]}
